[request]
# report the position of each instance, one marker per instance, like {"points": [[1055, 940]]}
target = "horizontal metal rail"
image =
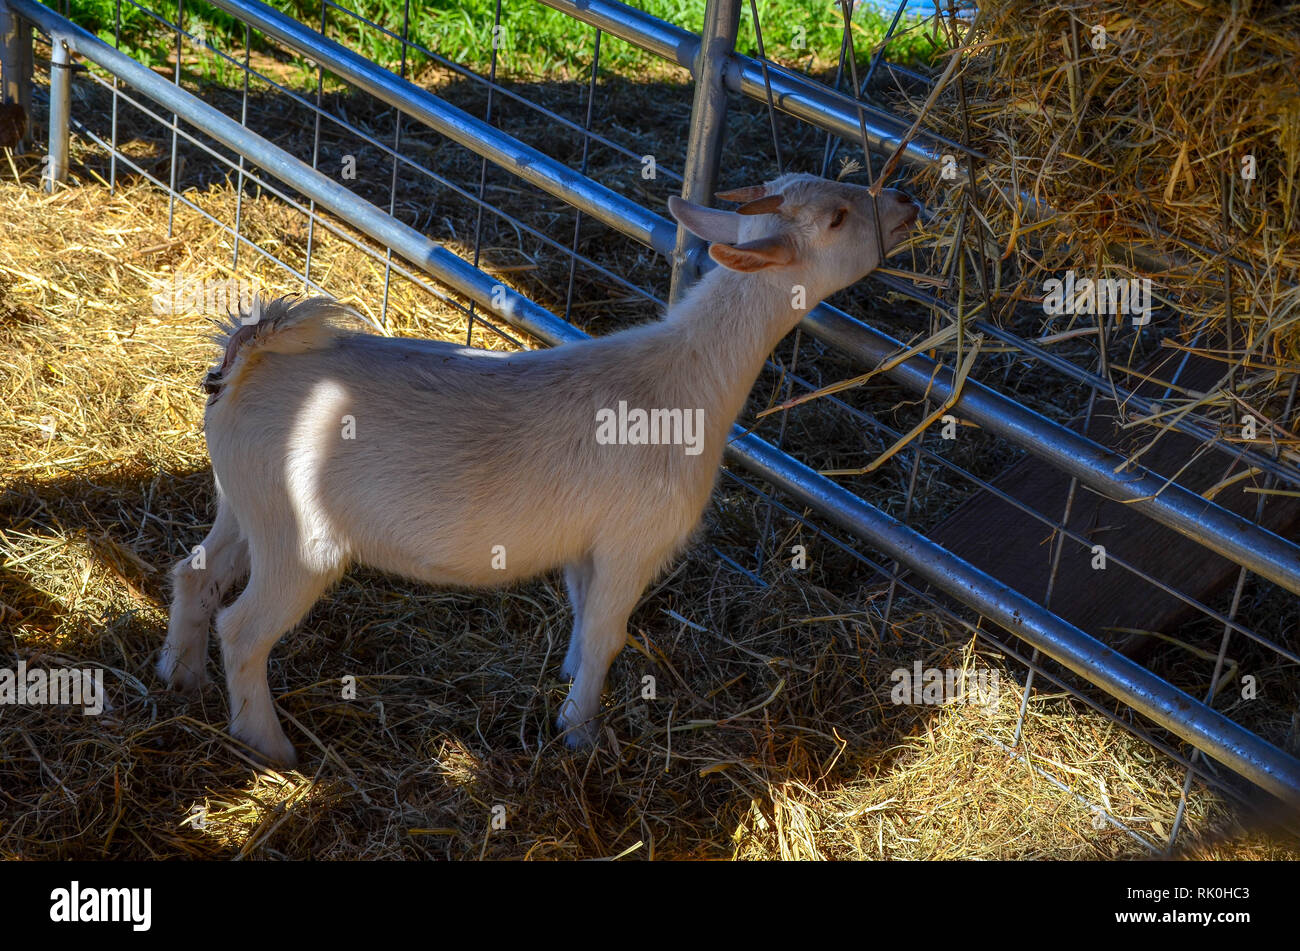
{"points": [[1218, 529], [1206, 729], [504, 150], [891, 435], [800, 97], [500, 148], [496, 87], [414, 166]]}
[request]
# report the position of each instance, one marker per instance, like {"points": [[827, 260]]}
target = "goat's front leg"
{"points": [[198, 585], [577, 577], [613, 587]]}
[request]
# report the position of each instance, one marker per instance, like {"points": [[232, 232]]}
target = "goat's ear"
{"points": [[711, 224], [754, 255]]}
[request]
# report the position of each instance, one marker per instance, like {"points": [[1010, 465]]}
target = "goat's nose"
{"points": [[910, 207], [899, 199]]}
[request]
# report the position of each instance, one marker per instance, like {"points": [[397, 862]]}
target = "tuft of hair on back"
{"points": [[289, 324]]}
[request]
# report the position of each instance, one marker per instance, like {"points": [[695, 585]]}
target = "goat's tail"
{"points": [[280, 325]]}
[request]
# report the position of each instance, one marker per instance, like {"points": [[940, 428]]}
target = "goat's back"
{"points": [[421, 457]]}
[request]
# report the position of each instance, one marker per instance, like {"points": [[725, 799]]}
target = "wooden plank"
{"points": [[1017, 549]]}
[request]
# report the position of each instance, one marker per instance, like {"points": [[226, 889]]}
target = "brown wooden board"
{"points": [[1017, 549]]}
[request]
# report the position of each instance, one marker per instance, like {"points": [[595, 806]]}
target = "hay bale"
{"points": [[1135, 123]]}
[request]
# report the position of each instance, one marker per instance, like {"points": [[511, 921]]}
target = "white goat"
{"points": [[457, 466]]}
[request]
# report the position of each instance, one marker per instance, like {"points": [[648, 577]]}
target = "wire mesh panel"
{"points": [[557, 190]]}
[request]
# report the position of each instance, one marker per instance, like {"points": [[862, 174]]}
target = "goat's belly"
{"points": [[462, 551]]}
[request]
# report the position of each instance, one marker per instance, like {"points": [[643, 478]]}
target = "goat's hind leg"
{"points": [[199, 582], [280, 591]]}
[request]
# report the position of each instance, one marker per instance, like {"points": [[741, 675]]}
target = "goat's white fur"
{"points": [[458, 450]]}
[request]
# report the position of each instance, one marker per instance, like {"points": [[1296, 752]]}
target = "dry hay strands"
{"points": [[1166, 137]]}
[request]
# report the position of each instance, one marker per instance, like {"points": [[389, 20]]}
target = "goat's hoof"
{"points": [[579, 735], [181, 677], [285, 759], [276, 752]]}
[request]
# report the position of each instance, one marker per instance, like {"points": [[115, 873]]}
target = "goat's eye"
{"points": [[840, 215]]}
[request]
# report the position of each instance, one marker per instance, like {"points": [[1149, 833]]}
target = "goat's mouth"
{"points": [[909, 218]]}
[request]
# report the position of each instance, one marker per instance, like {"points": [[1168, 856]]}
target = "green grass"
{"points": [[536, 40]]}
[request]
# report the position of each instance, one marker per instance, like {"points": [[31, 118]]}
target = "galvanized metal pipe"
{"points": [[56, 161], [529, 164], [800, 97], [1191, 426], [1201, 726], [708, 128]]}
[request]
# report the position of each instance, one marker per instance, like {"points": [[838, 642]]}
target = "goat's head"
{"points": [[826, 229]]}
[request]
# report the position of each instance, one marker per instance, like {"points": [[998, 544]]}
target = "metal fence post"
{"points": [[15, 62], [60, 112], [708, 127]]}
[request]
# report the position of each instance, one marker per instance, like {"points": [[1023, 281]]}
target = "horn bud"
{"points": [[748, 193], [761, 206]]}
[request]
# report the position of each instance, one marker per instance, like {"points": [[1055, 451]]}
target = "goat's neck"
{"points": [[723, 329]]}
